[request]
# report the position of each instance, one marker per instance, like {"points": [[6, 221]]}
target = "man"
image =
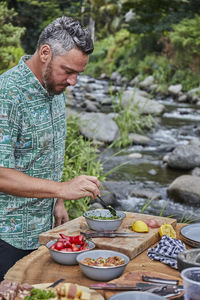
{"points": [[32, 139]]}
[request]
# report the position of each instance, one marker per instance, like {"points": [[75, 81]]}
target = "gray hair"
{"points": [[65, 33]]}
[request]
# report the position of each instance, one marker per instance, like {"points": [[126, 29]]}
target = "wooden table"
{"points": [[38, 267]]}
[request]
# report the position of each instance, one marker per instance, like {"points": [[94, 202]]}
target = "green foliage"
{"points": [[115, 52], [187, 78], [158, 66], [185, 39], [10, 49], [130, 120], [80, 158]]}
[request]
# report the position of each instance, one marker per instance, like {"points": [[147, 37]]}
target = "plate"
{"points": [[190, 234]]}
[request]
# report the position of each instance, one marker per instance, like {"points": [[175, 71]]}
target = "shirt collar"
{"points": [[28, 74]]}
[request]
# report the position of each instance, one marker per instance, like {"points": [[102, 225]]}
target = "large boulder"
{"points": [[185, 157], [146, 105], [99, 126], [185, 188]]}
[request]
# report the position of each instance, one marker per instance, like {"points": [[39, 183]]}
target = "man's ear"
{"points": [[45, 53]]}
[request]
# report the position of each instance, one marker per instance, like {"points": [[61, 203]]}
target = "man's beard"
{"points": [[49, 83]]}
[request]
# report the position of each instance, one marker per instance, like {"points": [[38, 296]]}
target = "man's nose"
{"points": [[72, 79]]}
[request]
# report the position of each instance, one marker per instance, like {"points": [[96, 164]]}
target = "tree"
{"points": [[10, 48]]}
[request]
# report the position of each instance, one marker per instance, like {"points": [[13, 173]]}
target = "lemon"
{"points": [[140, 226], [167, 229]]}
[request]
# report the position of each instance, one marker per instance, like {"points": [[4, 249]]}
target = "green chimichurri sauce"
{"points": [[103, 218]]}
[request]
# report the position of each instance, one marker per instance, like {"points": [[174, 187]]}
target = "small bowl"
{"points": [[100, 224], [102, 273], [188, 259], [67, 258], [136, 296]]}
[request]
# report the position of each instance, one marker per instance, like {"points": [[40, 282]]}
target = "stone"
{"points": [[175, 89], [139, 139], [185, 157], [146, 106], [99, 126], [185, 188]]}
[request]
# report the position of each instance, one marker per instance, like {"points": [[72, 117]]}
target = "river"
{"points": [[143, 167]]}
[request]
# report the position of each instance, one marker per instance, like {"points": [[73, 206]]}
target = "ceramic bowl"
{"points": [[66, 258], [102, 273], [188, 258], [136, 296], [102, 224]]}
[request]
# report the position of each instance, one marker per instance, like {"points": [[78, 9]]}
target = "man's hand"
{"points": [[60, 213], [80, 187]]}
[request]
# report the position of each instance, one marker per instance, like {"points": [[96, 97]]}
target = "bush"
{"points": [[185, 39], [10, 49]]}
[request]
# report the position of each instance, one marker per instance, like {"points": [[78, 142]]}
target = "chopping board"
{"points": [[129, 246], [93, 294], [136, 276]]}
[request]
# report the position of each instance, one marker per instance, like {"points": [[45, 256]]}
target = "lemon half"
{"points": [[167, 229], [140, 226]]}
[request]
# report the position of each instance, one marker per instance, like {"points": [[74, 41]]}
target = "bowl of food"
{"points": [[134, 295], [65, 249], [103, 220], [102, 265]]}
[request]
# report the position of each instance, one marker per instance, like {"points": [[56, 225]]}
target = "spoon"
{"points": [[109, 207]]}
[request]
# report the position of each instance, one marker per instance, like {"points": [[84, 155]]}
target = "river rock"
{"points": [[147, 82], [145, 105], [139, 139], [175, 89], [185, 156], [99, 126], [185, 188]]}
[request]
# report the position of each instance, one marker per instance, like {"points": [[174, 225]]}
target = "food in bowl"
{"points": [[70, 243], [102, 273], [64, 251], [104, 262], [103, 220]]}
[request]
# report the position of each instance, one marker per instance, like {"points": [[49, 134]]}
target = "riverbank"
{"points": [[145, 176]]}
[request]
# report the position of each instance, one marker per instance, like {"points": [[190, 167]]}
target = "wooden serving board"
{"points": [[135, 277], [93, 294], [129, 246]]}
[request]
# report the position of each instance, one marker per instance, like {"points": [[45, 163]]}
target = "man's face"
{"points": [[62, 71]]}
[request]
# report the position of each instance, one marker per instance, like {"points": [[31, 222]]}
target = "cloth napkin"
{"points": [[166, 251]]}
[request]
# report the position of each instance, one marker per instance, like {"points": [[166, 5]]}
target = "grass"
{"points": [[130, 120]]}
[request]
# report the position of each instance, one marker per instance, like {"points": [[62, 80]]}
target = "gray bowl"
{"points": [[136, 296], [66, 258], [188, 258], [103, 225], [102, 273]]}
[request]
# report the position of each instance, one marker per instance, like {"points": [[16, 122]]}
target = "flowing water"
{"points": [[143, 167], [178, 125]]}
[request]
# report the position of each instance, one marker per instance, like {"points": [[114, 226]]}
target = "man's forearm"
{"points": [[16, 183]]}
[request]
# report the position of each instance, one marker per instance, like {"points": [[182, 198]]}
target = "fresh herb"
{"points": [[103, 218], [40, 294]]}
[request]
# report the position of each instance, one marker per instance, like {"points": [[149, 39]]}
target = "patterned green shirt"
{"points": [[32, 140]]}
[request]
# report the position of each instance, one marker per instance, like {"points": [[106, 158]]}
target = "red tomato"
{"points": [[59, 246], [66, 250], [75, 248]]}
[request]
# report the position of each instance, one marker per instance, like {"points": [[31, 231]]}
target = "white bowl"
{"points": [[136, 296], [66, 258], [102, 273], [101, 224]]}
